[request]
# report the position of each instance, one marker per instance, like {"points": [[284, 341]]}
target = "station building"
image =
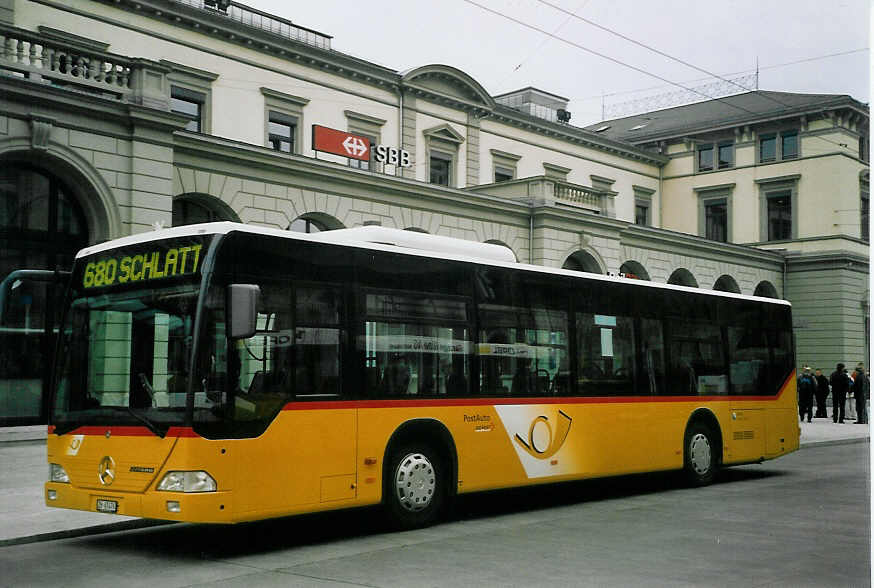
{"points": [[123, 116]]}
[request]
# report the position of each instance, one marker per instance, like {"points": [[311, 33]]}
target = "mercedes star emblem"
{"points": [[106, 471]]}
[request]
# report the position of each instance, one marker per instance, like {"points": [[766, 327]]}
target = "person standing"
{"points": [[840, 382], [822, 391], [860, 391], [806, 389]]}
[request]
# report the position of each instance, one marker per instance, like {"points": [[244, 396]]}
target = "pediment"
{"points": [[444, 132], [445, 82]]}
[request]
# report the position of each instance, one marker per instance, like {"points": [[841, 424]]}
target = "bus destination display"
{"points": [[124, 267]]}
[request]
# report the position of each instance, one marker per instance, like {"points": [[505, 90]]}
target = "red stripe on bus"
{"points": [[134, 431]]}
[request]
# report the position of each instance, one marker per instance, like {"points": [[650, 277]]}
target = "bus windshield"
{"points": [[124, 357]]}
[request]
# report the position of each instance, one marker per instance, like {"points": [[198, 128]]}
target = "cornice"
{"points": [[326, 175], [728, 123], [663, 239], [823, 260], [213, 24], [576, 135]]}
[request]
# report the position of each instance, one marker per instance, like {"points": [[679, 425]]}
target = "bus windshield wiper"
{"points": [[149, 424]]}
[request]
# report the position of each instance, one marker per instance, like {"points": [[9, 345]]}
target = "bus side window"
{"points": [[652, 358], [697, 359], [523, 347], [317, 344], [749, 359], [605, 347], [416, 344]]}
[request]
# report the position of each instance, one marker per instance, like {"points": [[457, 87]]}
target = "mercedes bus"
{"points": [[222, 372]]}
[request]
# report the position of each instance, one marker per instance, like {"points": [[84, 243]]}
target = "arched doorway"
{"points": [[683, 277], [632, 269], [726, 283], [583, 261], [765, 289], [42, 226]]}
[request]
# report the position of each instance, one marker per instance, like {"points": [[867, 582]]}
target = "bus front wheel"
{"points": [[700, 451], [414, 486]]}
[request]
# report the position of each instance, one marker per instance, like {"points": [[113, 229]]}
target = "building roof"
{"points": [[747, 108]]}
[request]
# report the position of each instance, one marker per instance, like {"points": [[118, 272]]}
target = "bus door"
{"points": [[749, 358], [610, 370], [290, 372]]}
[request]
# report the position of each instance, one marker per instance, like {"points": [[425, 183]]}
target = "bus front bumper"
{"points": [[202, 507]]}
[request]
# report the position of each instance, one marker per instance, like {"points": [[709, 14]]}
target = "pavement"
{"points": [[24, 518]]}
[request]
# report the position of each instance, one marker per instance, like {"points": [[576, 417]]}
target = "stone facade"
{"points": [[111, 138]]}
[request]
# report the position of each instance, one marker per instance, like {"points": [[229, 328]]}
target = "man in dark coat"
{"points": [[806, 390], [860, 391], [822, 391], [840, 381]]}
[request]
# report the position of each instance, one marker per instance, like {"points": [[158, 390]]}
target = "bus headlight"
{"points": [[198, 481], [58, 474]]}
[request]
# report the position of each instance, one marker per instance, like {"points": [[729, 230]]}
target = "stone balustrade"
{"points": [[546, 189], [578, 195], [35, 57]]}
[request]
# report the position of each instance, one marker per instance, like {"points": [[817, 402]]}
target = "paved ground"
{"points": [[797, 522], [23, 470]]}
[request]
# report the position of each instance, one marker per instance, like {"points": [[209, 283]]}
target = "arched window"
{"points": [[190, 209], [632, 269], [765, 289], [42, 226], [726, 283], [502, 244], [314, 222], [582, 261], [683, 277], [305, 225]]}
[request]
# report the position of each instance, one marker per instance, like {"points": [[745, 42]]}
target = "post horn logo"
{"points": [[106, 471], [535, 445]]}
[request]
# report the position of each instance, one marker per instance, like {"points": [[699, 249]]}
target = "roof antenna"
{"points": [[757, 73]]}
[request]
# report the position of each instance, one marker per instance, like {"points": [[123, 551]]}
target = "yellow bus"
{"points": [[223, 373]]}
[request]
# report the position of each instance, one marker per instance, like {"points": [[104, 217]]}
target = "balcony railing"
{"points": [[261, 20], [548, 189], [30, 55], [578, 195]]}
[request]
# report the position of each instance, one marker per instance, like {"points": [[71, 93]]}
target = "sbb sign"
{"points": [[392, 156], [346, 144], [341, 143]]}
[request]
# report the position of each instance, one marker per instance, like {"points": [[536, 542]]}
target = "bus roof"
{"points": [[400, 241]]}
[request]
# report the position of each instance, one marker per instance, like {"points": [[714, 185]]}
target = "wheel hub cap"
{"points": [[699, 451], [415, 482]]}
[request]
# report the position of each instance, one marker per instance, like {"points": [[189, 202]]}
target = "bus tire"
{"points": [[700, 461], [415, 485]]}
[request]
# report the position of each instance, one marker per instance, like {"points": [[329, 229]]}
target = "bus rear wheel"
{"points": [[415, 486], [700, 455]]}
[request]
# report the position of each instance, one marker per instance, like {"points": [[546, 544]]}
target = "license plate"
{"points": [[107, 506]]}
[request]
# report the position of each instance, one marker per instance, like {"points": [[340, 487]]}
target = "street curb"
{"points": [[835, 442], [85, 531]]}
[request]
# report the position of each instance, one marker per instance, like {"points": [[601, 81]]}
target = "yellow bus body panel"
{"points": [[326, 458]]}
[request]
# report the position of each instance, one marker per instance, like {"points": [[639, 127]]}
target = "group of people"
{"points": [[841, 385]]}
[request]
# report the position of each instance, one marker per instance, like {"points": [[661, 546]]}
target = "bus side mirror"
{"points": [[242, 310]]}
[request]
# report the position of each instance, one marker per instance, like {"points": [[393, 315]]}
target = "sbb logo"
{"points": [[392, 156]]}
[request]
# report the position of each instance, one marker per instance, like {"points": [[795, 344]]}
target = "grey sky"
{"points": [[724, 38]]}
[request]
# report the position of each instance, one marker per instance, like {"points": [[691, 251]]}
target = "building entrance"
{"points": [[42, 226]]}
